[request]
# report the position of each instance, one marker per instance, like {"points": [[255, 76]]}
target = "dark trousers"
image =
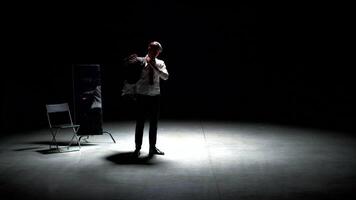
{"points": [[147, 108]]}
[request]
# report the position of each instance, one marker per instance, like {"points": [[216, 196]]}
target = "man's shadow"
{"points": [[126, 158]]}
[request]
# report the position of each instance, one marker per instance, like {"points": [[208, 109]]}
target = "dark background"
{"points": [[268, 63]]}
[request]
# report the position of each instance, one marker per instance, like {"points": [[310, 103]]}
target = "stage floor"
{"points": [[204, 160]]}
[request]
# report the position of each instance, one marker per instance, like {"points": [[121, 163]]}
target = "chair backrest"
{"points": [[57, 108], [53, 108]]}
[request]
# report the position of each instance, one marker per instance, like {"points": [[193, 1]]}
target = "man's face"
{"points": [[153, 53]]}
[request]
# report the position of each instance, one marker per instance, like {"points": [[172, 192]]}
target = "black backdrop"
{"points": [[281, 64]]}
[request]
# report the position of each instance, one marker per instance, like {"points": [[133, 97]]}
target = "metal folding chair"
{"points": [[53, 109]]}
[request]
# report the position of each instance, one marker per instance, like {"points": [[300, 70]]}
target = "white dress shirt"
{"points": [[143, 86]]}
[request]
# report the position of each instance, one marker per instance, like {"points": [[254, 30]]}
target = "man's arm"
{"points": [[131, 59], [162, 70]]}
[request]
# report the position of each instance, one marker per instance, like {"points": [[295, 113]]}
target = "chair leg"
{"points": [[71, 141], [54, 133], [78, 140], [75, 130]]}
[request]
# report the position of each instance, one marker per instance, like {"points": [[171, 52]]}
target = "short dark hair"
{"points": [[155, 45]]}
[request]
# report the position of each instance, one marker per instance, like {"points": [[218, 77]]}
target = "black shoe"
{"points": [[136, 153], [156, 151]]}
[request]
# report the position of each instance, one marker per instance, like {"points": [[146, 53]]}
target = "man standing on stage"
{"points": [[147, 95]]}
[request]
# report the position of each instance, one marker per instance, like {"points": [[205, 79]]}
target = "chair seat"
{"points": [[63, 126]]}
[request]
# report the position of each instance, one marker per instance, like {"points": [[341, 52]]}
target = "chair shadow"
{"points": [[27, 149], [127, 158], [56, 151], [62, 143]]}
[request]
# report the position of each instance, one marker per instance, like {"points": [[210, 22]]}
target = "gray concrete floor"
{"points": [[204, 160]]}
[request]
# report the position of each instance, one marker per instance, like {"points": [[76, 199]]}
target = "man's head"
{"points": [[154, 49]]}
